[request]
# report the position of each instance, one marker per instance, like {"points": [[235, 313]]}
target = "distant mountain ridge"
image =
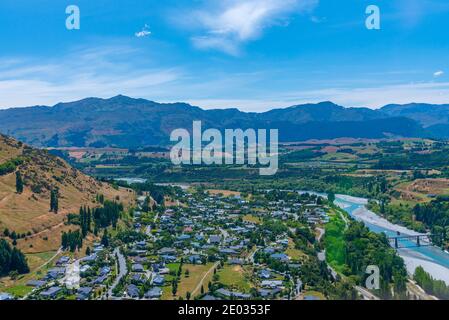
{"points": [[127, 122]]}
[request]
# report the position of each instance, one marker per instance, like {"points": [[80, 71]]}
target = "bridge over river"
{"points": [[415, 241]]}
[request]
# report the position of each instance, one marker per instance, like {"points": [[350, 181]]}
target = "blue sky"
{"points": [[249, 54]]}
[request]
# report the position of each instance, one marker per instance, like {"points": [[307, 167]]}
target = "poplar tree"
{"points": [[19, 182]]}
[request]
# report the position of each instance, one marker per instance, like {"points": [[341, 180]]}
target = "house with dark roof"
{"points": [[194, 259], [55, 273], [264, 274], [239, 262], [232, 294], [83, 293], [269, 293], [63, 261], [208, 297], [138, 278], [167, 258], [164, 251], [280, 256], [214, 239], [133, 291], [159, 280], [51, 293], [153, 293], [137, 267], [36, 283], [100, 279]]}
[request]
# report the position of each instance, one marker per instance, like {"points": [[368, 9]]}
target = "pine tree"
{"points": [[105, 238], [174, 287], [19, 182], [83, 221], [54, 202], [18, 262], [11, 259], [89, 220], [64, 240], [56, 207]]}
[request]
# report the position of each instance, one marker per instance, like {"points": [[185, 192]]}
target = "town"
{"points": [[202, 244]]}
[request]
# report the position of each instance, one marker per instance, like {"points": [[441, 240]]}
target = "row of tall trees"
{"points": [[19, 182], [54, 200], [108, 215], [437, 288], [94, 220], [11, 259], [85, 220], [72, 240]]}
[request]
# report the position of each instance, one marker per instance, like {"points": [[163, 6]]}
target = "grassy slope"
{"points": [[29, 211]]}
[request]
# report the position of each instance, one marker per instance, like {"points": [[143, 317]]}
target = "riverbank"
{"points": [[432, 259], [412, 261], [366, 215]]}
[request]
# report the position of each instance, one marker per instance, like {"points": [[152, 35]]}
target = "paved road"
{"points": [[366, 294], [123, 270]]}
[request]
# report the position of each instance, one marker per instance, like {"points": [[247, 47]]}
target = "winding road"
{"points": [[123, 270]]}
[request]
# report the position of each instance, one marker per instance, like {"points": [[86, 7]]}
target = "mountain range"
{"points": [[129, 123]]}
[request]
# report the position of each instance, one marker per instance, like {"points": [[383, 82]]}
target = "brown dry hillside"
{"points": [[28, 213]]}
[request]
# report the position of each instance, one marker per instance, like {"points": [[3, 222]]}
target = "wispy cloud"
{"points": [[438, 74], [226, 25], [145, 32], [370, 97], [100, 72]]}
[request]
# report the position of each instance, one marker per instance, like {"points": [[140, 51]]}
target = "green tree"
{"points": [[19, 182], [54, 200], [174, 287], [105, 238], [11, 260]]}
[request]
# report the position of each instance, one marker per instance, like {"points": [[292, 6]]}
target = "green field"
{"points": [[334, 242], [19, 290], [234, 277]]}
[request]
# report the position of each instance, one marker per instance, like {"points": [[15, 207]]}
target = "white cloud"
{"points": [[144, 32], [371, 97], [225, 25], [94, 72], [438, 74]]}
